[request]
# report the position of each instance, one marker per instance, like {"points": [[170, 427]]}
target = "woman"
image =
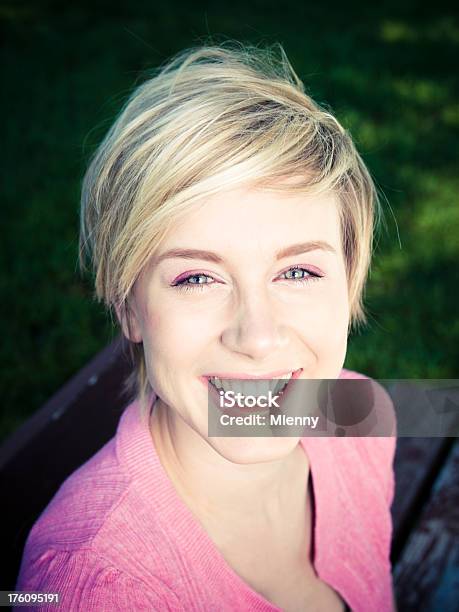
{"points": [[229, 221]]}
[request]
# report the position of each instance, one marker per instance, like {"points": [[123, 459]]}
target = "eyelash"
{"points": [[182, 285]]}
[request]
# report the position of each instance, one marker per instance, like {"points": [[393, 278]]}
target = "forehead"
{"points": [[247, 219]]}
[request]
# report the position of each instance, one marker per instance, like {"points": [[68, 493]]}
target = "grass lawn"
{"points": [[389, 74]]}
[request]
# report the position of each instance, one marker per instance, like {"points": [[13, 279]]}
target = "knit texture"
{"points": [[117, 536]]}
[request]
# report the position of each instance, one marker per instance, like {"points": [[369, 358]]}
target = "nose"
{"points": [[255, 329]]}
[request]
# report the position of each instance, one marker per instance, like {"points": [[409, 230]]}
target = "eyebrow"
{"points": [[294, 249]]}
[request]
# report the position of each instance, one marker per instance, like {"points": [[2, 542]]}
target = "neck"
{"points": [[218, 489]]}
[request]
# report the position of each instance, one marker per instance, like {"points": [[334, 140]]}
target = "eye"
{"points": [[198, 281], [193, 282], [301, 275]]}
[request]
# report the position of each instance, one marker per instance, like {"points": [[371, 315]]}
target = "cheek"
{"points": [[337, 308], [327, 304], [327, 328], [174, 337], [324, 324]]}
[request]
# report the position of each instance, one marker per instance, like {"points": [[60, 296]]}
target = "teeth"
{"points": [[282, 382], [216, 382], [263, 387], [226, 385], [252, 386]]}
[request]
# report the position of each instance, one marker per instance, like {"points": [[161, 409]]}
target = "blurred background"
{"points": [[387, 70]]}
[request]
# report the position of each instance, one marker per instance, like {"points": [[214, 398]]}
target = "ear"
{"points": [[129, 322]]}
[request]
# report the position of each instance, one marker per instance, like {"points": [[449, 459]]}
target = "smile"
{"points": [[254, 386]]}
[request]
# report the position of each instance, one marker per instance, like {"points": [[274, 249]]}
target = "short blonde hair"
{"points": [[211, 119]]}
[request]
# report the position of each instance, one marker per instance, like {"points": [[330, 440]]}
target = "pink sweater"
{"points": [[116, 536]]}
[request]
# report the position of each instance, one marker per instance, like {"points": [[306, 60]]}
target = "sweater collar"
{"points": [[137, 453]]}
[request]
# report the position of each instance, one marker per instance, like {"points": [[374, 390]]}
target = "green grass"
{"points": [[388, 73]]}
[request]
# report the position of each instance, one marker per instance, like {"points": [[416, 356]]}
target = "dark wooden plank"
{"points": [[427, 575], [417, 464], [79, 388], [78, 420]]}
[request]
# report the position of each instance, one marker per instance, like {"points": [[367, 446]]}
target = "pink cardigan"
{"points": [[116, 536]]}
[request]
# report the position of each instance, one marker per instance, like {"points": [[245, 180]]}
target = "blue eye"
{"points": [[301, 275], [197, 282], [193, 282]]}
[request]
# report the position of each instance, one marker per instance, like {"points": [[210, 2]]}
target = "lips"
{"points": [[244, 376], [247, 385], [250, 387]]}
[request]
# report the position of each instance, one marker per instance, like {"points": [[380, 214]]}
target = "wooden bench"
{"points": [[84, 414]]}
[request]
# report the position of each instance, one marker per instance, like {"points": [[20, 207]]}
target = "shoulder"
{"points": [[102, 517], [89, 498], [376, 452], [351, 374], [85, 580], [382, 422], [87, 544], [82, 503]]}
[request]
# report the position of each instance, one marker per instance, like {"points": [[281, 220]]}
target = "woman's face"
{"points": [[220, 298]]}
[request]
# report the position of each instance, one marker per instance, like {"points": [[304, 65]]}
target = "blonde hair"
{"points": [[211, 119]]}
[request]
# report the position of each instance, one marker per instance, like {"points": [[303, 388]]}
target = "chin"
{"points": [[246, 450]]}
